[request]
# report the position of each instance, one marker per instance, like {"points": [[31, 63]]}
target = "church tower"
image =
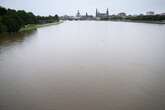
{"points": [[107, 12], [96, 12], [78, 13], [86, 14]]}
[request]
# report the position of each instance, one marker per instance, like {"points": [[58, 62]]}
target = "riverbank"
{"points": [[137, 21], [150, 22], [35, 26]]}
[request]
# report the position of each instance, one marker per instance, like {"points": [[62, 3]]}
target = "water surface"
{"points": [[84, 65]]}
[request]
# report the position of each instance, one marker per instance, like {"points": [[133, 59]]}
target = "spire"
{"points": [[78, 13], [96, 12], [86, 14], [107, 12]]}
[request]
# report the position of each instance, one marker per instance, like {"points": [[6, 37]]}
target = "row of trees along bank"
{"points": [[13, 20]]}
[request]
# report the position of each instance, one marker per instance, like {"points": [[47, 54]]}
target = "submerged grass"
{"points": [[30, 27]]}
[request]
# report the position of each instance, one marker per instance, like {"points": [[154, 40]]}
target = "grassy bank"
{"points": [[35, 26]]}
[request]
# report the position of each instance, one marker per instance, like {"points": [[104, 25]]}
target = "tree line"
{"points": [[147, 18], [13, 20], [138, 18]]}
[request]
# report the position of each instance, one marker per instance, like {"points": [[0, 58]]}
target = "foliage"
{"points": [[3, 11], [139, 18], [12, 20], [47, 19], [147, 18]]}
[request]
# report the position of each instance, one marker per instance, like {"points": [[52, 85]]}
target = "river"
{"points": [[84, 65]]}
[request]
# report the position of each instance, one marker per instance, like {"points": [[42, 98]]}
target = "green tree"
{"points": [[3, 11], [12, 20], [3, 28], [56, 17], [11, 23]]}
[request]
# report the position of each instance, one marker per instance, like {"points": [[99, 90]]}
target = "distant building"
{"points": [[78, 14], [66, 17], [122, 14], [150, 13], [87, 17], [162, 14], [141, 14], [102, 15], [86, 14], [83, 17]]}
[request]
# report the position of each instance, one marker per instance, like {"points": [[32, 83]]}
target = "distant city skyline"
{"points": [[70, 7]]}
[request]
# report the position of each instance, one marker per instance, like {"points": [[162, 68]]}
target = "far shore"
{"points": [[133, 21], [136, 21]]}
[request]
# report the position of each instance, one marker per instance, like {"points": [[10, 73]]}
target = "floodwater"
{"points": [[84, 65]]}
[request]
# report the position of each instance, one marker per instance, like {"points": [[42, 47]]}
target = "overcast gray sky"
{"points": [[62, 7]]}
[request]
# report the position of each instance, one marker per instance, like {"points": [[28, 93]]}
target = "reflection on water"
{"points": [[9, 39], [84, 65]]}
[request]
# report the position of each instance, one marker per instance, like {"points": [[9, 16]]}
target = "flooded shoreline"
{"points": [[86, 65]]}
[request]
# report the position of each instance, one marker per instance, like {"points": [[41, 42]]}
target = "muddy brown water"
{"points": [[84, 65]]}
